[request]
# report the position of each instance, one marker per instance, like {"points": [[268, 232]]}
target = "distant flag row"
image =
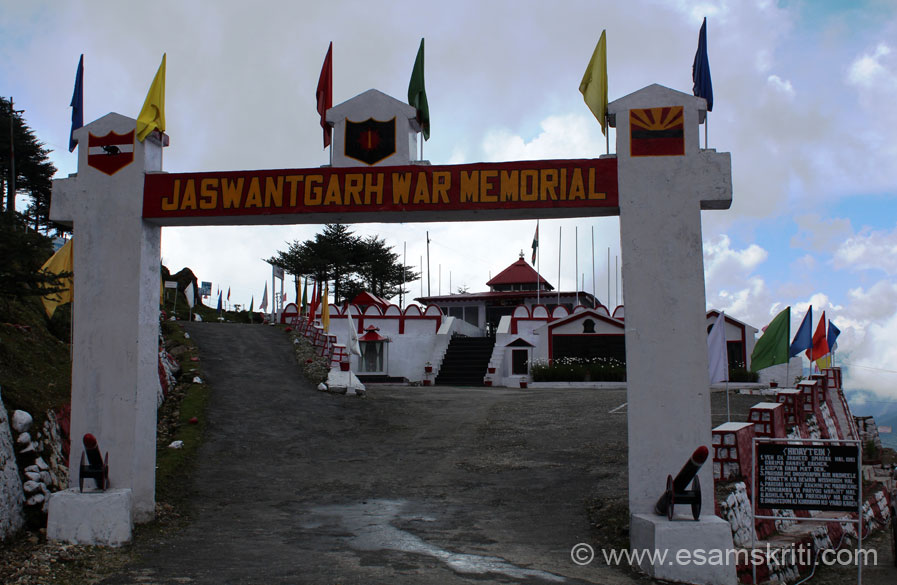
{"points": [[152, 114], [773, 347], [593, 86]]}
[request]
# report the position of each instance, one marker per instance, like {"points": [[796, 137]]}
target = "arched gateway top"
{"points": [[658, 182]]}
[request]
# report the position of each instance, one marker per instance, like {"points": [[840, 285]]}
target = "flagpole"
{"points": [[404, 264], [560, 241], [576, 262], [728, 411], [538, 265], [617, 280], [594, 298], [608, 280], [606, 130]]}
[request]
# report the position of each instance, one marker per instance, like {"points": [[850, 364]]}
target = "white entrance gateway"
{"points": [[658, 182]]}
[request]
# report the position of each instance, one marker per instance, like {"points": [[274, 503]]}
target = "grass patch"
{"points": [[186, 401], [35, 365]]}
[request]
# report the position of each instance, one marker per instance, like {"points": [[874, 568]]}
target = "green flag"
{"points": [[772, 347], [417, 93]]}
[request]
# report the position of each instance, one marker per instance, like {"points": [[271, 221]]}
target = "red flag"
{"points": [[228, 293], [324, 93], [820, 342], [314, 300]]}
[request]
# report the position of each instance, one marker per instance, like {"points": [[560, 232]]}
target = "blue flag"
{"points": [[77, 104], [833, 333], [700, 71], [219, 301], [804, 337]]}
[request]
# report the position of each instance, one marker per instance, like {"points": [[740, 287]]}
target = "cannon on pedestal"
{"points": [[96, 467], [677, 492]]}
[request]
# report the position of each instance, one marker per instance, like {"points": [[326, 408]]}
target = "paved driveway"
{"points": [[408, 485]]}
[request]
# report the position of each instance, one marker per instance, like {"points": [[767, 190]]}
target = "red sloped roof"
{"points": [[519, 272], [366, 298]]}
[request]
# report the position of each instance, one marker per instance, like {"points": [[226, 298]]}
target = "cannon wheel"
{"points": [[672, 497], [696, 503]]}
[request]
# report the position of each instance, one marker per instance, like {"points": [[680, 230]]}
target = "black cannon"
{"points": [[96, 467], [677, 492]]}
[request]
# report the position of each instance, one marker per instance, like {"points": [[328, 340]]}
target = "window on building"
{"points": [[472, 315]]}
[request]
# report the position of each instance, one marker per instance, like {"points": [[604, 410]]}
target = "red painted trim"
{"points": [[580, 315]]}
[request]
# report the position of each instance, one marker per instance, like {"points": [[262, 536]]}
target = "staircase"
{"points": [[465, 361]]}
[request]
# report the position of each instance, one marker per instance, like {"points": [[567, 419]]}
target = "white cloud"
{"points": [[721, 262], [568, 136], [781, 86], [730, 284], [877, 303], [868, 250], [872, 70], [873, 357]]}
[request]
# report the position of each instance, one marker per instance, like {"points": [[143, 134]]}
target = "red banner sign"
{"points": [[553, 188]]}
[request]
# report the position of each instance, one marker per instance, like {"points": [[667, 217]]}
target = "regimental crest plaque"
{"points": [[657, 132], [110, 153], [370, 141]]}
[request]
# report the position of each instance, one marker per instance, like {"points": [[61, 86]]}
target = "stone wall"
{"points": [[12, 496]]}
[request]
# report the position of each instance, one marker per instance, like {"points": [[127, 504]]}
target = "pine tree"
{"points": [[24, 251], [353, 264], [34, 171]]}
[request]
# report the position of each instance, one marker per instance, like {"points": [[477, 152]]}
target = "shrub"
{"points": [[739, 374], [572, 369]]}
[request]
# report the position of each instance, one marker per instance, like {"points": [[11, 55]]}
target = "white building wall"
{"points": [[408, 352]]}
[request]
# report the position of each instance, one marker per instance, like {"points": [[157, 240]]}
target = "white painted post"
{"points": [[661, 198], [115, 378]]}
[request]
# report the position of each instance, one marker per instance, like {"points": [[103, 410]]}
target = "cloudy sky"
{"points": [[804, 95]]}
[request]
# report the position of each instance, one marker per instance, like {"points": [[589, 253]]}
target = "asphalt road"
{"points": [[409, 485]]}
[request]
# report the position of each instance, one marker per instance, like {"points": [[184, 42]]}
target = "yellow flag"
{"points": [[593, 86], [325, 311], [152, 115], [824, 362], [58, 263]]}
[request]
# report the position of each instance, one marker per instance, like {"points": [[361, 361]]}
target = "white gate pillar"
{"points": [[664, 180], [115, 378]]}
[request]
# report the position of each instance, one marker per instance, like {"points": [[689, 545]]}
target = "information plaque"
{"points": [[807, 477]]}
